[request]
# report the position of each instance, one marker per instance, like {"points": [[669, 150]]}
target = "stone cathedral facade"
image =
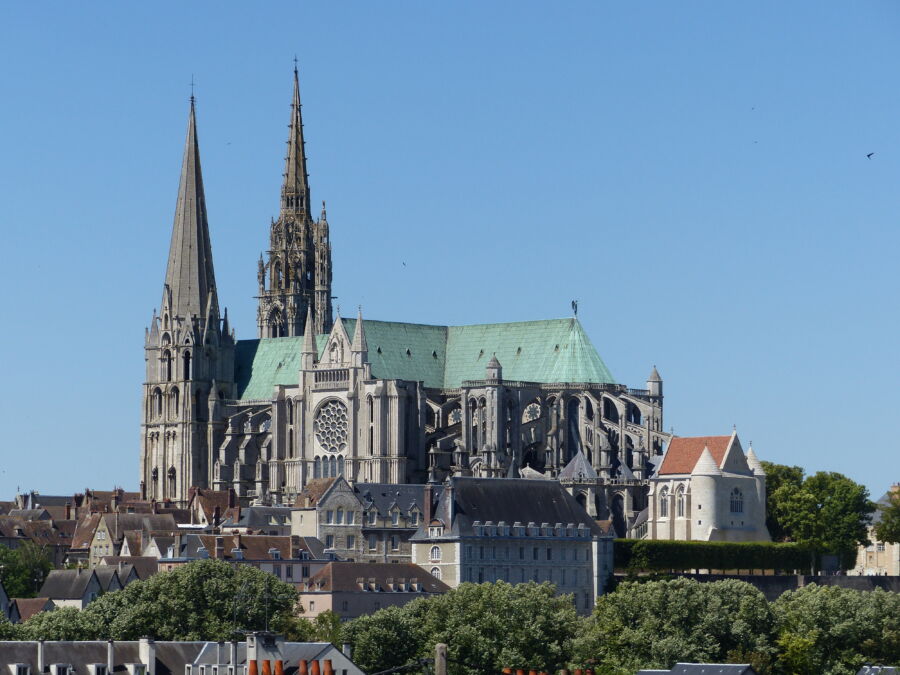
{"points": [[374, 401]]}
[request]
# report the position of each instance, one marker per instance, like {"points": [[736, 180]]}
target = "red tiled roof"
{"points": [[313, 492], [683, 453], [28, 607]]}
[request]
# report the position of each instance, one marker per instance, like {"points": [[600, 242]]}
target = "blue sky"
{"points": [[694, 173]]}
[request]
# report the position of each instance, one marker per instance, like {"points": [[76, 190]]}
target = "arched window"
{"points": [[435, 554], [679, 501], [290, 411], [171, 481], [737, 501], [664, 503], [158, 402], [166, 366], [187, 365], [277, 279], [340, 466], [371, 405], [333, 467], [436, 572], [317, 468], [175, 400], [290, 442]]}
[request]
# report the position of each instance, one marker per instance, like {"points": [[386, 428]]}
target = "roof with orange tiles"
{"points": [[84, 531], [313, 492], [683, 452]]}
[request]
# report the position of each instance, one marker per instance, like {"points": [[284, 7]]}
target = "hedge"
{"points": [[646, 554]]}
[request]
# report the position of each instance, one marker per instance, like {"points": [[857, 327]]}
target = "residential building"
{"points": [[706, 489], [319, 396], [22, 609], [112, 527], [131, 567], [71, 588], [292, 559], [352, 589], [365, 522], [879, 558], [267, 651], [514, 530]]}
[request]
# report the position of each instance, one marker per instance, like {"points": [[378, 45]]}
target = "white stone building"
{"points": [[706, 489]]}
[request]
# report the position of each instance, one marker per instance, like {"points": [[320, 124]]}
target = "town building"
{"points": [[352, 589], [22, 609], [111, 530], [268, 653], [514, 530], [365, 522], [706, 489], [71, 588], [318, 396], [878, 558]]}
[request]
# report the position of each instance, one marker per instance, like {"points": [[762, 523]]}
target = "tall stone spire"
{"points": [[360, 347], [295, 189], [189, 275]]}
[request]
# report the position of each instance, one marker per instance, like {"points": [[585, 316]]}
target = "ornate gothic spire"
{"points": [[295, 190], [189, 274]]}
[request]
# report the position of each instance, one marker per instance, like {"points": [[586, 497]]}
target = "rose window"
{"points": [[330, 426]]}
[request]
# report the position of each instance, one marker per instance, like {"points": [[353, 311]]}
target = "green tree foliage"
{"points": [[637, 555], [486, 626], [888, 527], [778, 475], [828, 512], [204, 600], [23, 569], [826, 630], [653, 625]]}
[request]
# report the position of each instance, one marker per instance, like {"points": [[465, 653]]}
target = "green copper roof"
{"points": [[556, 350]]}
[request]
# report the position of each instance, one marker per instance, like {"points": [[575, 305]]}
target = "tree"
{"points": [[827, 630], [778, 475], [23, 569], [656, 624], [203, 600], [828, 512], [64, 623], [487, 627], [888, 527]]}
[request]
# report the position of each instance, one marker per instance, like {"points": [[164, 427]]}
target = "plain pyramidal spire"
{"points": [[189, 274]]}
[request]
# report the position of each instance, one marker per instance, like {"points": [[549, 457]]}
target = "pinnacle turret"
{"points": [[189, 275], [360, 345]]}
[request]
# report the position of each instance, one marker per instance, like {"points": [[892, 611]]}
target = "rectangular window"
{"points": [[562, 577], [521, 553], [395, 542], [395, 518], [414, 518], [549, 553], [344, 605], [373, 542], [351, 541], [880, 547], [340, 517], [312, 605], [534, 553], [304, 571], [289, 572], [276, 570], [351, 517], [329, 517], [329, 541], [372, 515]]}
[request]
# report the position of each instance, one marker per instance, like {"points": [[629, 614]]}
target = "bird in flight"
{"points": [[869, 156]]}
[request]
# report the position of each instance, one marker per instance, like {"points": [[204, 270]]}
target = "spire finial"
{"points": [[295, 64], [192, 89]]}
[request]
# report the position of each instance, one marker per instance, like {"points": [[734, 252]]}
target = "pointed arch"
{"points": [[317, 468], [186, 364], [679, 502], [165, 366]]}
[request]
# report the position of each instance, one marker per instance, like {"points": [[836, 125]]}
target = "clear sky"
{"points": [[694, 173]]}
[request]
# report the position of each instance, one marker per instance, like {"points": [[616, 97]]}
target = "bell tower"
{"points": [[188, 349], [295, 275]]}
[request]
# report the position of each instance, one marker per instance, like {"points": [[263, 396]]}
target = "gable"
{"points": [[683, 452], [735, 461]]}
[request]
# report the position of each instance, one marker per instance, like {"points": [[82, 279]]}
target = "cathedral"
{"points": [[316, 395]]}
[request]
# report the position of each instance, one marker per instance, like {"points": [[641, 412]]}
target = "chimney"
{"points": [[147, 654], [328, 668], [110, 657], [252, 667], [68, 510], [233, 649], [347, 650], [40, 656], [314, 668], [220, 548], [267, 667], [304, 667], [428, 506]]}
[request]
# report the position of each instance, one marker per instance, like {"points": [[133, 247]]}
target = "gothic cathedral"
{"points": [[374, 401]]}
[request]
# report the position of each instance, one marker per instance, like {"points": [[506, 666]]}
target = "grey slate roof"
{"points": [[578, 468], [509, 500], [384, 495], [704, 669], [66, 584], [262, 516], [108, 576]]}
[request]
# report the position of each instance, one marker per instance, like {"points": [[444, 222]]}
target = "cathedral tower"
{"points": [[296, 278], [188, 349]]}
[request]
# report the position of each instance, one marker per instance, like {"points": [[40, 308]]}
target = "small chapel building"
{"points": [[706, 489]]}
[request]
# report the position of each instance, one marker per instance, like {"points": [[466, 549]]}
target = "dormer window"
{"points": [[436, 531], [395, 518]]}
